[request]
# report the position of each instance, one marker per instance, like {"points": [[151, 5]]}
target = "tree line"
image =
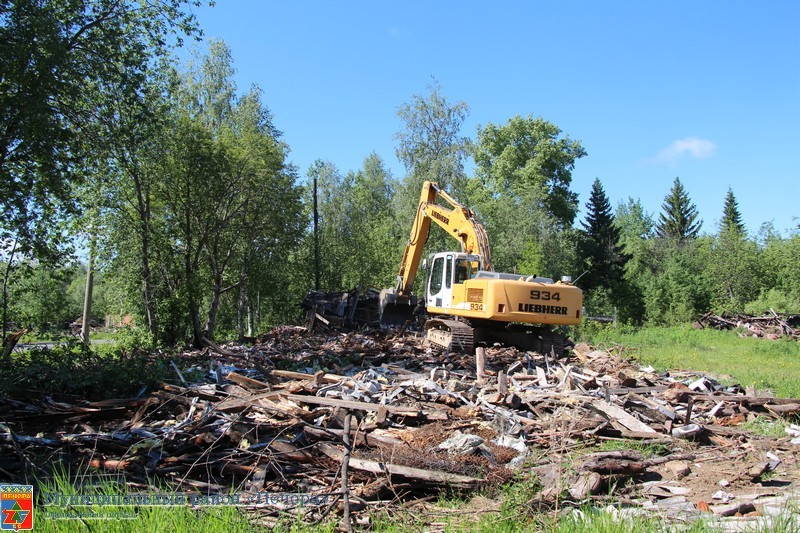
{"points": [[178, 186]]}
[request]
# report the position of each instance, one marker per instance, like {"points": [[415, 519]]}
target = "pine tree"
{"points": [[731, 217], [678, 221], [600, 247]]}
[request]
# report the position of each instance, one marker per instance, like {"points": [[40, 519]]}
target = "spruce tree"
{"points": [[678, 220], [600, 248], [731, 217]]}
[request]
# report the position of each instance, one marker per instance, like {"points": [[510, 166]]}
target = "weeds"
{"points": [[74, 368]]}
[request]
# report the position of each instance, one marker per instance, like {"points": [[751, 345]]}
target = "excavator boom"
{"points": [[456, 220]]}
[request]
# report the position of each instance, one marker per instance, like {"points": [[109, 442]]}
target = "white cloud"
{"points": [[687, 147]]}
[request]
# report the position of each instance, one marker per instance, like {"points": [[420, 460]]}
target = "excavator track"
{"points": [[450, 335], [526, 337], [456, 336]]}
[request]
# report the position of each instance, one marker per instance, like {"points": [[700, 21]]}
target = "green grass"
{"points": [[766, 364], [649, 451], [765, 427], [126, 518]]}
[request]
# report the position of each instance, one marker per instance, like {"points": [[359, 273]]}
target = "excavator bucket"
{"points": [[396, 309]]}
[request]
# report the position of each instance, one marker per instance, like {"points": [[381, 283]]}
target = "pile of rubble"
{"points": [[769, 326], [332, 311], [353, 421]]}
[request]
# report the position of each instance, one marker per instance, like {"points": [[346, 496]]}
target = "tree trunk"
{"points": [[249, 319], [211, 324], [242, 312], [86, 327], [191, 290], [143, 208], [5, 288]]}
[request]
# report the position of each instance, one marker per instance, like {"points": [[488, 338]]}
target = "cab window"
{"points": [[449, 277], [436, 275], [463, 270]]}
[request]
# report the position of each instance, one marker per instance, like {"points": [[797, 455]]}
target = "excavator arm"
{"points": [[458, 221]]}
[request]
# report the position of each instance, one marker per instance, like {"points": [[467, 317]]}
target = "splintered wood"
{"points": [[296, 411]]}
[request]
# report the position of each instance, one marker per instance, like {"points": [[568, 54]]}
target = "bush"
{"points": [[773, 299], [74, 368]]}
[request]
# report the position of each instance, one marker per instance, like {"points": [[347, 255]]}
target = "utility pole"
{"points": [[316, 238]]}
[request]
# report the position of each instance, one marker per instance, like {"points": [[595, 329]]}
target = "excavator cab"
{"points": [[448, 271]]}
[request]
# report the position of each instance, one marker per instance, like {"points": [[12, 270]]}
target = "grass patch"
{"points": [[765, 427], [54, 516], [765, 364], [649, 451]]}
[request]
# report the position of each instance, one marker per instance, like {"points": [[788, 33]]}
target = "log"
{"points": [[480, 364], [389, 469]]}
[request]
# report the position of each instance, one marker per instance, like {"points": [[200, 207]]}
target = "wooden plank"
{"points": [[419, 474], [664, 410], [239, 404], [639, 390], [358, 438], [622, 417], [784, 409], [326, 378], [246, 382], [351, 404], [540, 373]]}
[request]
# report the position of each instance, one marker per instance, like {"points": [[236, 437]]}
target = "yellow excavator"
{"points": [[467, 302]]}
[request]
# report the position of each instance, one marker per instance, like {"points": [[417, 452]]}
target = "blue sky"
{"points": [[706, 91]]}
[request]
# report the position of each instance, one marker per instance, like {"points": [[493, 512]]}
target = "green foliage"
{"points": [[735, 271], [429, 143], [39, 297], [648, 450], [774, 299], [74, 368], [600, 250], [781, 269], [765, 427], [60, 61], [528, 153], [612, 520], [675, 288], [678, 221], [131, 340], [731, 217], [521, 191], [431, 147], [206, 211]]}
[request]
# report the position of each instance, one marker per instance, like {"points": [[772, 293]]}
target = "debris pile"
{"points": [[329, 311], [357, 420], [768, 326]]}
